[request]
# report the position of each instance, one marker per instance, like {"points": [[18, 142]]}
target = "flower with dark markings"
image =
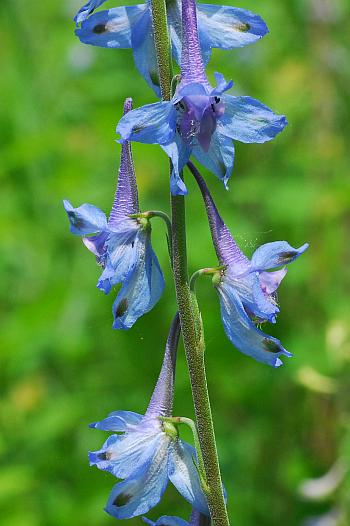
{"points": [[200, 120], [147, 451], [247, 291], [122, 246], [222, 27]]}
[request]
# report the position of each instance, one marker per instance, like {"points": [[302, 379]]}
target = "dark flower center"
{"points": [[196, 119]]}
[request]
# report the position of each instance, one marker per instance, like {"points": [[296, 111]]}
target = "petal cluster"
{"points": [[222, 27], [201, 121], [122, 246], [247, 287], [146, 452]]}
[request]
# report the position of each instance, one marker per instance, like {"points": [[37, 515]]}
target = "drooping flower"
{"points": [[196, 519], [222, 27], [122, 246], [246, 288], [200, 120], [147, 452]]}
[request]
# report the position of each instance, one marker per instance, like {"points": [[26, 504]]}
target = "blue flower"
{"points": [[200, 120], [131, 27], [246, 288], [147, 452], [122, 246], [196, 519]]}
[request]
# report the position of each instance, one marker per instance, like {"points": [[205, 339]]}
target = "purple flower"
{"points": [[247, 291], [200, 120], [147, 452], [131, 27], [196, 519], [122, 246]]}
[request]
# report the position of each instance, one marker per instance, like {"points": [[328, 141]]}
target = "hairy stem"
{"points": [[191, 324], [163, 47], [194, 346]]}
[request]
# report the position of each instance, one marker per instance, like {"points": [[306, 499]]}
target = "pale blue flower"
{"points": [[246, 288], [200, 120], [122, 247], [147, 452], [222, 27]]}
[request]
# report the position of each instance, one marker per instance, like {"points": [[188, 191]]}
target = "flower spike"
{"points": [[148, 452], [222, 27], [247, 291], [122, 245]]}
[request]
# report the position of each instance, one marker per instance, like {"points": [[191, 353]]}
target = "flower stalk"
{"points": [[162, 215], [191, 325]]}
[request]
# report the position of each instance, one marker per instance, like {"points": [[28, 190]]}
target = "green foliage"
{"points": [[63, 366]]}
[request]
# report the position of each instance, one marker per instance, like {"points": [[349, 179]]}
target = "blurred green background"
{"points": [[283, 435]]}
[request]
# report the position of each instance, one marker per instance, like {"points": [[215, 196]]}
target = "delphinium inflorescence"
{"points": [[193, 120]]}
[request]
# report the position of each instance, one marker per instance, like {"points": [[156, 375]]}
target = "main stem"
{"points": [[191, 325]]}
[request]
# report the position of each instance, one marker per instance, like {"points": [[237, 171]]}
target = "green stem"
{"points": [[191, 324], [163, 47], [194, 348], [176, 420], [205, 271]]}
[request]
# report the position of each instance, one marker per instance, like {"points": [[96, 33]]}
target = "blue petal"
{"points": [[141, 290], [150, 124], [276, 254], [228, 27], [112, 28], [166, 520], [96, 245], [179, 153], [142, 491], [248, 120], [251, 295], [221, 84], [192, 89], [118, 421], [270, 281], [86, 219], [144, 51], [242, 332], [87, 9], [102, 458], [136, 448], [219, 159], [122, 455], [121, 253], [183, 474]]}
